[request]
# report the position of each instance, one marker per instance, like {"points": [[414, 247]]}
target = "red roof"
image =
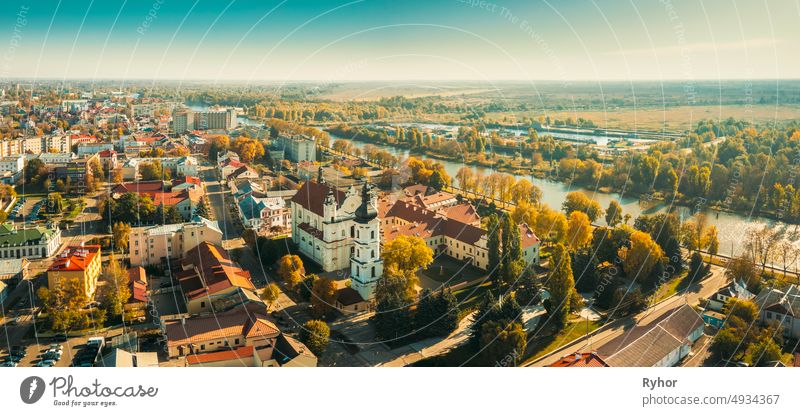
{"points": [[107, 153], [208, 269], [226, 355], [138, 281], [527, 236], [188, 179], [75, 258], [312, 194], [580, 359]]}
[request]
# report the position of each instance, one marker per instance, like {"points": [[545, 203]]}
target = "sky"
{"points": [[291, 40]]}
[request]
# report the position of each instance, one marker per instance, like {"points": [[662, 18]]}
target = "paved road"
{"points": [[616, 328], [219, 198]]}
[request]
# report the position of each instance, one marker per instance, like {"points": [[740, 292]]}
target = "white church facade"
{"points": [[340, 230]]}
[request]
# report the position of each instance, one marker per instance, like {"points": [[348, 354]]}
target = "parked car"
{"points": [[18, 350], [46, 363], [10, 364], [59, 338]]}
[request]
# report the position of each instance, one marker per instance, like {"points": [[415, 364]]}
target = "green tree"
{"points": [[437, 313], [392, 318], [502, 343], [315, 335], [561, 285]]}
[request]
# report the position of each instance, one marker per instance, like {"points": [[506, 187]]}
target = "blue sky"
{"points": [[396, 40]]}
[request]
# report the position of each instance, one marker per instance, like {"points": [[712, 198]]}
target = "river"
{"points": [[731, 227]]}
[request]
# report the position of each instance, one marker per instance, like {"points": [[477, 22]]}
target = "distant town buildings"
{"points": [[297, 148]]}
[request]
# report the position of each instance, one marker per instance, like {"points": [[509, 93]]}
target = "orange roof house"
{"points": [[76, 263]]}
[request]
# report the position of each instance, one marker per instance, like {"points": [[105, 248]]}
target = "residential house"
{"points": [[735, 290], [263, 214], [157, 244], [663, 343], [782, 307], [211, 282], [76, 263]]}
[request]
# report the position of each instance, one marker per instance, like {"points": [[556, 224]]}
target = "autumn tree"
{"points": [[290, 269], [579, 231], [407, 253], [577, 201], [115, 292], [323, 296], [270, 294], [613, 213], [641, 257], [121, 234], [315, 335]]}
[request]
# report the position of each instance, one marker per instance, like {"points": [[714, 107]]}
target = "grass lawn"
{"points": [[546, 344], [450, 270], [470, 297], [670, 288]]}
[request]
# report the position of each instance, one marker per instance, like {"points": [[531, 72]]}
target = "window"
{"points": [[373, 271], [372, 234], [202, 304]]}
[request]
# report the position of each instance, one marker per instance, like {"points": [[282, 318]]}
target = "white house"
{"points": [[782, 307], [152, 245]]}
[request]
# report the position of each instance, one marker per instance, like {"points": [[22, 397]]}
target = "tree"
{"points": [[116, 293], [290, 269], [152, 171], [64, 306], [551, 226], [392, 318], [561, 285], [502, 342], [743, 269], [512, 262], [697, 267], [323, 296], [763, 352], [579, 230], [270, 294], [760, 243], [437, 313], [613, 213], [437, 181], [407, 253], [711, 242], [641, 257], [577, 201], [315, 336], [121, 233]]}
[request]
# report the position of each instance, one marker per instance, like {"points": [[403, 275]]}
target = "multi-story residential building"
{"points": [[76, 263], [74, 106], [36, 242], [338, 230], [92, 148], [157, 244], [212, 120], [54, 159], [11, 168], [297, 148], [182, 121]]}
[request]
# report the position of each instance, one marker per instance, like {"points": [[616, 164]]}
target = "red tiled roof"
{"points": [[208, 269], [107, 153], [138, 281], [227, 325], [188, 179], [312, 194], [143, 186], [527, 236], [426, 223], [462, 212], [584, 359], [226, 355], [75, 258]]}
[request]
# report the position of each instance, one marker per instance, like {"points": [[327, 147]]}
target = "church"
{"points": [[340, 230]]}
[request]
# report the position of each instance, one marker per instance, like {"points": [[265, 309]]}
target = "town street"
{"points": [[618, 327]]}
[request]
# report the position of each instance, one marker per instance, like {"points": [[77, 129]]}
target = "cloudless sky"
{"points": [[394, 40]]}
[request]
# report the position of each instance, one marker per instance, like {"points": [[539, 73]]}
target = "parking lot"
{"points": [[37, 352]]}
